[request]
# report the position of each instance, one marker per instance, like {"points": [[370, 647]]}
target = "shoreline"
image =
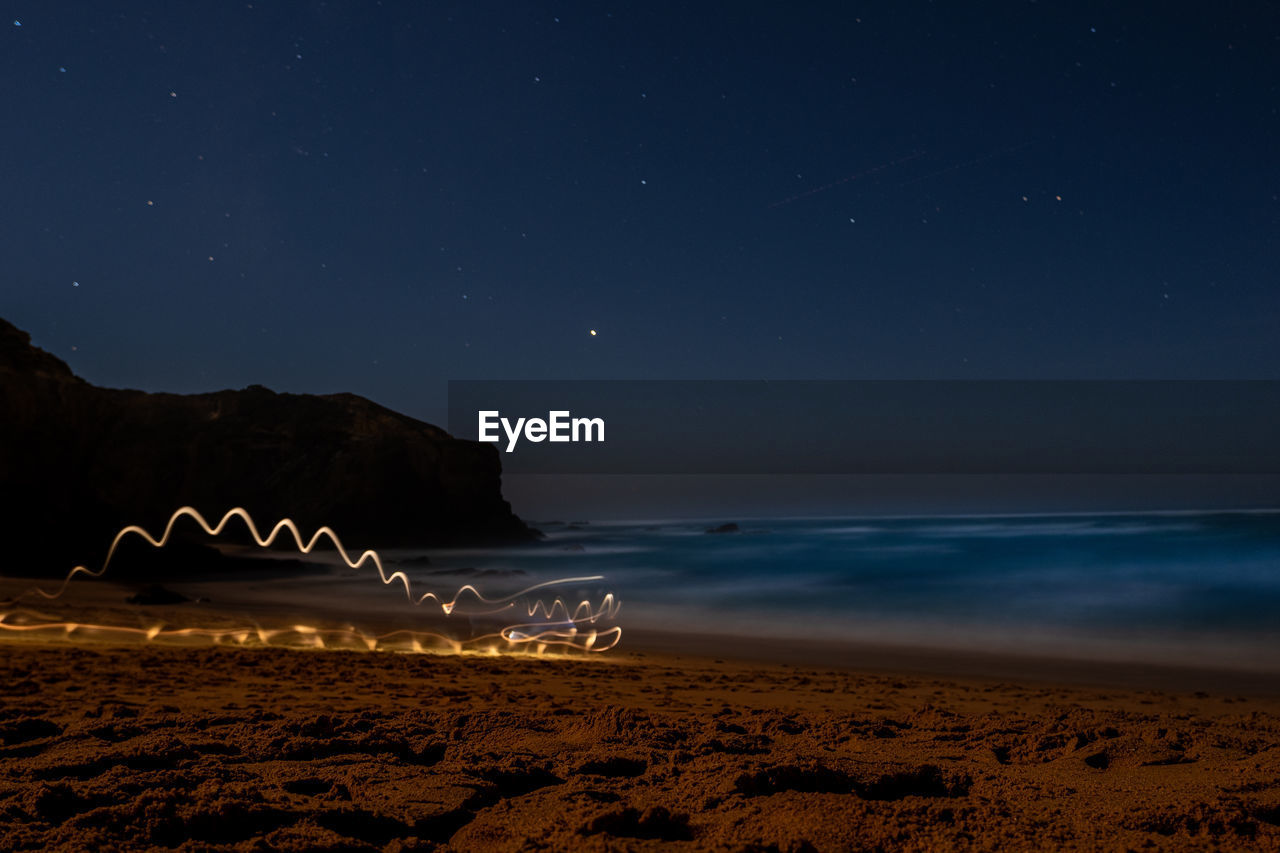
{"points": [[654, 648], [939, 662], [1065, 668]]}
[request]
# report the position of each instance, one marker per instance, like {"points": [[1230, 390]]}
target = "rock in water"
{"points": [[156, 594]]}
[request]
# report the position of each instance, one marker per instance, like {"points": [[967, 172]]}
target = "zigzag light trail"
{"points": [[563, 632]]}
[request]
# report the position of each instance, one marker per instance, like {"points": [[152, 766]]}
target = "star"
{"points": [[592, 333]]}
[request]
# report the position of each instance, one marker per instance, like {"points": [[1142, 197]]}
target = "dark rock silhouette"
{"points": [[79, 462], [725, 528], [157, 595]]}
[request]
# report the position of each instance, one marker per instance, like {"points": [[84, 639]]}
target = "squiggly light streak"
{"points": [[316, 637], [540, 635], [609, 606]]}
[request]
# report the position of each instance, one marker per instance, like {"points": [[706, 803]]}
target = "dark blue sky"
{"points": [[380, 197]]}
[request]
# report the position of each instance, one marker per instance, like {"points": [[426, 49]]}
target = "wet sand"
{"points": [[131, 746]]}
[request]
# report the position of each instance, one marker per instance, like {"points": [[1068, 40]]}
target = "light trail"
{"points": [[566, 630], [854, 177], [311, 636]]}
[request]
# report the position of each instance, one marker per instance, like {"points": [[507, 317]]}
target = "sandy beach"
{"points": [[649, 426], [216, 748]]}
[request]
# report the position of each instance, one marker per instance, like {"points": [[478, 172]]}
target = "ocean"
{"points": [[1190, 587], [1186, 588]]}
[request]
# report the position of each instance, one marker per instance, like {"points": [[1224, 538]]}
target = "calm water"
{"points": [[1200, 587]]}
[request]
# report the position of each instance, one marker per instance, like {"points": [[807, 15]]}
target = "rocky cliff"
{"points": [[78, 462]]}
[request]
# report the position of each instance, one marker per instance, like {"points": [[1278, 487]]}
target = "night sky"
{"points": [[350, 196]]}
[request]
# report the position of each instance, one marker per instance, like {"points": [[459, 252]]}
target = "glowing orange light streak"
{"points": [[540, 635], [310, 635]]}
